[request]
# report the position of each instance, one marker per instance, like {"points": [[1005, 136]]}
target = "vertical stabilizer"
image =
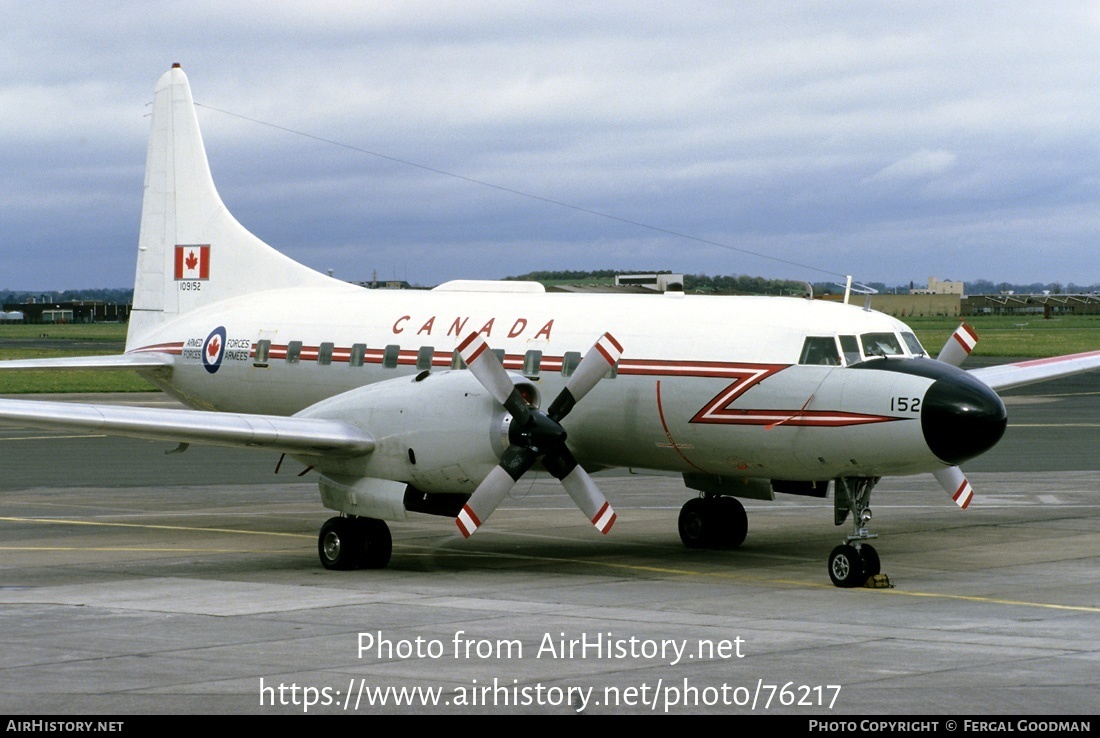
{"points": [[191, 250]]}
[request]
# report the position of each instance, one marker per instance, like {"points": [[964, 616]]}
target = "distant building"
{"points": [[655, 282], [83, 311], [937, 287]]}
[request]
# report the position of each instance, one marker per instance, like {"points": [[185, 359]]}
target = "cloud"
{"points": [[919, 165], [792, 128]]}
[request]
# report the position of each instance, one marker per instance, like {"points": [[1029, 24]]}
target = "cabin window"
{"points": [[263, 348], [456, 360], [390, 356], [913, 344], [820, 350], [850, 346], [532, 360], [569, 363], [424, 358], [881, 344], [500, 355], [324, 354], [358, 354], [293, 352]]}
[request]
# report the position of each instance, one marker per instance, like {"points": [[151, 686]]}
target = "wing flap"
{"points": [[1006, 376], [289, 434]]}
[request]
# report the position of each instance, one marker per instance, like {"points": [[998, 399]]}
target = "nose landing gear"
{"points": [[855, 562]]}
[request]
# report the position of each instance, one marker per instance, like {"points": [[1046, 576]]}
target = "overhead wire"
{"points": [[518, 193]]}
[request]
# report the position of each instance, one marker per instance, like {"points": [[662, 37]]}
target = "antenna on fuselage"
{"points": [[861, 289]]}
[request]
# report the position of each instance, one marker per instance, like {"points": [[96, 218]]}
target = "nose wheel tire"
{"points": [[872, 565], [846, 567]]}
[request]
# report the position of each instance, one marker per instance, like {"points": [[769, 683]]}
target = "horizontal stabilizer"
{"points": [[276, 433]]}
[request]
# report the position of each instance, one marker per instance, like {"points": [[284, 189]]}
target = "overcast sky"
{"points": [[892, 141]]}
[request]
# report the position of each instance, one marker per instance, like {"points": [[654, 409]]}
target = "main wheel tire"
{"points": [[338, 545], [729, 522], [846, 567], [694, 524], [376, 544], [872, 565]]}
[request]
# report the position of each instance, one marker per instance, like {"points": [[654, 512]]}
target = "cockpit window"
{"points": [[914, 345], [850, 346], [881, 344], [820, 350]]}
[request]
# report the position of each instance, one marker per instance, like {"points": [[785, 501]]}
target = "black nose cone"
{"points": [[962, 418]]}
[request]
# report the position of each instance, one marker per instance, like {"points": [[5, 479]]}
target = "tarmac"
{"points": [[134, 582]]}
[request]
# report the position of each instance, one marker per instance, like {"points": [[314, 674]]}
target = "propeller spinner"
{"points": [[534, 434]]}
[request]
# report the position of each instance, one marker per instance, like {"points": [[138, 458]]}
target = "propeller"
{"points": [[954, 352], [958, 346], [954, 481], [534, 434]]}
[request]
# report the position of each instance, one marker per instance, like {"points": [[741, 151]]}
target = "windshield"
{"points": [[881, 344], [914, 345]]}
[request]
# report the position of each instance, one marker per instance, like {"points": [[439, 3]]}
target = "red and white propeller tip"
{"points": [[955, 483], [958, 346]]}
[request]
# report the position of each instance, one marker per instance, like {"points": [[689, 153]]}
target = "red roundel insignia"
{"points": [[213, 349]]}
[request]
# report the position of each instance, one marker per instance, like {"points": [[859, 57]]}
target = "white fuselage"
{"points": [[707, 385]]}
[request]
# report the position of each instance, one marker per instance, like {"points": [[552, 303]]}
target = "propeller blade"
{"points": [[955, 484], [487, 369], [589, 499], [958, 346], [493, 489], [484, 365], [601, 357], [587, 496]]}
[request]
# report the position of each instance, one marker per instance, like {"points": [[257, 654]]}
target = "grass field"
{"points": [[998, 337]]}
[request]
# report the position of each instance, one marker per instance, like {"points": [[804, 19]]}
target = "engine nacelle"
{"points": [[438, 431]]}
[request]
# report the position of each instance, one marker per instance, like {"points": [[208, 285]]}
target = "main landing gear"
{"points": [[713, 522], [855, 561], [354, 543]]}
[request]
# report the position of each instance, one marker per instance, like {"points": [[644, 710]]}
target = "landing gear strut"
{"points": [[713, 522], [354, 542], [853, 562]]}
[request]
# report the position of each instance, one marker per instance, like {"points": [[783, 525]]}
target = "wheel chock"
{"points": [[878, 581]]}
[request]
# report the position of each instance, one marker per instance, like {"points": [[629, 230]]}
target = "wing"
{"points": [[116, 361], [1020, 373], [291, 435]]}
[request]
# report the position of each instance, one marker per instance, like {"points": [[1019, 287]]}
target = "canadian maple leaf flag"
{"points": [[193, 262]]}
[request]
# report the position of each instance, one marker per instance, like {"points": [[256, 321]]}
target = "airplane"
{"points": [[438, 401]]}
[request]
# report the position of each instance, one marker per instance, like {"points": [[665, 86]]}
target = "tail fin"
{"points": [[191, 250]]}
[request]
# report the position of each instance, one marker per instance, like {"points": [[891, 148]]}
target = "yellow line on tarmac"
{"points": [[127, 549], [550, 559], [61, 521], [791, 582]]}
